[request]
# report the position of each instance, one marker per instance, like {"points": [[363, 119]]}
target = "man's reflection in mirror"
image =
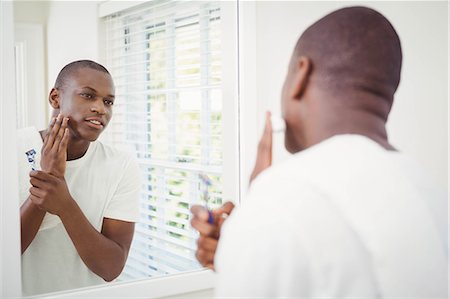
{"points": [[79, 206]]}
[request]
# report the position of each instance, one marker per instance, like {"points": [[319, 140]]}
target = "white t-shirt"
{"points": [[105, 183], [342, 219]]}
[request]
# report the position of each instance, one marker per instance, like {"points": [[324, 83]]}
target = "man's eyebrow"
{"points": [[93, 90], [87, 87]]}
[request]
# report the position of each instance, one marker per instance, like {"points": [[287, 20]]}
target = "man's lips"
{"points": [[95, 123]]}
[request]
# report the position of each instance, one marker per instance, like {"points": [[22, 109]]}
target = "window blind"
{"points": [[165, 58]]}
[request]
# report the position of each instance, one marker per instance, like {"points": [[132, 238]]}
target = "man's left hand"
{"points": [[49, 193]]}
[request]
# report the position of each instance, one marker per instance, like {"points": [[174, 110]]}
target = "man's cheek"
{"points": [[73, 121]]}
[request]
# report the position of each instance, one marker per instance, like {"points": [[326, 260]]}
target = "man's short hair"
{"points": [[73, 67], [354, 48]]}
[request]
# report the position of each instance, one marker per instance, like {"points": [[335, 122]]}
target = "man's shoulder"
{"points": [[112, 152], [293, 169], [115, 158], [311, 171]]}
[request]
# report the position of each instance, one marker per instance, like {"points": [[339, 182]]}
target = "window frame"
{"points": [[230, 151], [10, 275]]}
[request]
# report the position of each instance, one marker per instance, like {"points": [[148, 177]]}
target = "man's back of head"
{"points": [[346, 64], [353, 48]]}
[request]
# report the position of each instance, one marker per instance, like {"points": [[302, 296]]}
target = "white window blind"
{"points": [[165, 58]]}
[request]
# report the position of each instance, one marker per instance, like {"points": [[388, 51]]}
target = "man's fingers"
{"points": [[205, 257], [200, 221], [36, 182], [54, 131], [41, 175], [203, 227], [37, 192], [226, 208], [64, 141], [207, 243], [222, 213], [200, 212], [209, 266], [60, 134]]}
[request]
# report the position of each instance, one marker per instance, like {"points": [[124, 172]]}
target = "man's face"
{"points": [[87, 99]]}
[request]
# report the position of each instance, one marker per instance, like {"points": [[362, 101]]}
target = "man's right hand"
{"points": [[209, 233], [54, 150]]}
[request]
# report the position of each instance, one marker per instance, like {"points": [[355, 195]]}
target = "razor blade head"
{"points": [[31, 158], [30, 155]]}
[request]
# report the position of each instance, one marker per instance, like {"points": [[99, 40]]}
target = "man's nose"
{"points": [[98, 106]]}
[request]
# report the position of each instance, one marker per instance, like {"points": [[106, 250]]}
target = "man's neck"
{"points": [[76, 148], [358, 123]]}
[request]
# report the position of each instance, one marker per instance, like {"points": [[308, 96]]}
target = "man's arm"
{"points": [[103, 253], [54, 154], [30, 220]]}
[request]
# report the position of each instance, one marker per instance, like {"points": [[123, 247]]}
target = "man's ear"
{"points": [[301, 72], [54, 98]]}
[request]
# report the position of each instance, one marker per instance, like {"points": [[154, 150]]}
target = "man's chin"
{"points": [[93, 137], [289, 148], [89, 136], [290, 143]]}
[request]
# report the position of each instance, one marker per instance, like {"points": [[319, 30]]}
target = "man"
{"points": [[78, 214], [347, 215]]}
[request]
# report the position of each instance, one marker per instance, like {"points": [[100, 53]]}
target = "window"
{"points": [[167, 63]]}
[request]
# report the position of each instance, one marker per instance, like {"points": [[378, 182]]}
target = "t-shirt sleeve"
{"points": [[124, 204]]}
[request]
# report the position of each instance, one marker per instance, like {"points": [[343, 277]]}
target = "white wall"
{"points": [[30, 11], [72, 34], [30, 19], [30, 75], [418, 122]]}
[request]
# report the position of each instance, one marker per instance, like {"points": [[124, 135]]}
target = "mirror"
{"points": [[166, 61]]}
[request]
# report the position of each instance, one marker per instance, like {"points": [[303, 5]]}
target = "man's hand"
{"points": [[264, 154], [49, 193], [54, 150], [209, 233]]}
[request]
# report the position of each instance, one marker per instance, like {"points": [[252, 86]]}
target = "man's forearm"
{"points": [[30, 220], [101, 255]]}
